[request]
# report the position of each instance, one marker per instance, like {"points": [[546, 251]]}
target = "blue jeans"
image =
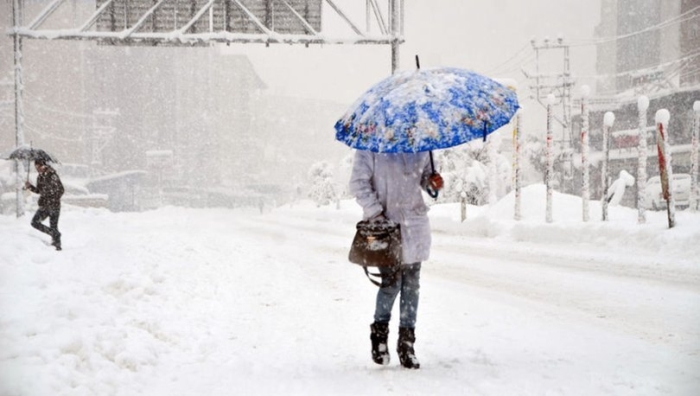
{"points": [[408, 285]]}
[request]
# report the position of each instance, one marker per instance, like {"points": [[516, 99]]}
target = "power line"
{"points": [[494, 68], [677, 19], [36, 102], [516, 66], [50, 120], [690, 72], [647, 69], [49, 136], [45, 124]]}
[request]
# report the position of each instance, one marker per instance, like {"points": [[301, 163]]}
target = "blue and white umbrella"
{"points": [[426, 109]]}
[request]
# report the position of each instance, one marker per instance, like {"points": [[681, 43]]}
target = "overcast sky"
{"points": [[477, 35], [488, 36], [481, 35]]}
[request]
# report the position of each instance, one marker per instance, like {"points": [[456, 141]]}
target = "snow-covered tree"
{"points": [[322, 186], [452, 164], [534, 151], [466, 168]]}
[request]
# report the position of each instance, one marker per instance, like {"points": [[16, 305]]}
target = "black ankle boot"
{"points": [[407, 356], [380, 349], [57, 241]]}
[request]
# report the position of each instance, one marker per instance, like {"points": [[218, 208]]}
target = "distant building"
{"points": [[194, 102], [651, 48], [106, 106], [655, 46]]}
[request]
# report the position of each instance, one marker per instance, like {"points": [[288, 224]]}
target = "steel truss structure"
{"points": [[201, 22], [173, 22]]}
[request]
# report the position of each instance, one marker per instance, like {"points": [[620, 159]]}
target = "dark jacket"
{"points": [[50, 189]]}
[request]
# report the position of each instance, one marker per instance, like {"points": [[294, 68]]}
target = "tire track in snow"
{"points": [[654, 311], [633, 294], [601, 262]]}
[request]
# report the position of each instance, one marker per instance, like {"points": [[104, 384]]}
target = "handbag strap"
{"points": [[393, 276]]}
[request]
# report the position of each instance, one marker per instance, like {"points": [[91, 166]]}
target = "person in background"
{"points": [[390, 186], [50, 190]]}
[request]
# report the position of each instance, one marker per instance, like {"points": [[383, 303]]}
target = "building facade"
{"points": [[650, 48], [647, 46]]}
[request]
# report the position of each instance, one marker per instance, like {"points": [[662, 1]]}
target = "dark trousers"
{"points": [[52, 214]]}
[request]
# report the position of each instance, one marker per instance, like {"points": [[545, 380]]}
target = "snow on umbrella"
{"points": [[426, 109], [29, 153]]}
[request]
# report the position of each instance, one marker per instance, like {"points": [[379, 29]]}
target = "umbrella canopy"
{"points": [[426, 109], [28, 153]]}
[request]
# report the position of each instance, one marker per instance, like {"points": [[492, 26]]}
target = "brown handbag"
{"points": [[377, 244]]}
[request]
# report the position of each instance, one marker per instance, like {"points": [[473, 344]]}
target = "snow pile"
{"points": [[621, 235]]}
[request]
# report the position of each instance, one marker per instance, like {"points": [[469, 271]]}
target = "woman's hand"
{"points": [[379, 217], [435, 182]]}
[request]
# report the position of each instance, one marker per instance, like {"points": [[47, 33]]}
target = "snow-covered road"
{"points": [[648, 302], [220, 302]]}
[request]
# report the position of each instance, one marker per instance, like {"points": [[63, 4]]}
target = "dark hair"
{"points": [[39, 162]]}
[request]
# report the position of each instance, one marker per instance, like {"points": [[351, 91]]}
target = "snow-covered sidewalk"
{"points": [[217, 302]]}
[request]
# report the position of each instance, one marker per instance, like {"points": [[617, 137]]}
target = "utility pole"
{"points": [[19, 111], [394, 22], [560, 85]]}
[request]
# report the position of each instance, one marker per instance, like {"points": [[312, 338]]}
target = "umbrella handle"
{"points": [[433, 194]]}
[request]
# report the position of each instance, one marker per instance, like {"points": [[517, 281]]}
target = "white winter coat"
{"points": [[392, 184]]}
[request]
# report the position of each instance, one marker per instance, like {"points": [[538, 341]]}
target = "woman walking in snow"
{"points": [[389, 186]]}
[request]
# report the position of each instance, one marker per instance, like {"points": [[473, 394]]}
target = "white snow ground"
{"points": [[232, 302]]}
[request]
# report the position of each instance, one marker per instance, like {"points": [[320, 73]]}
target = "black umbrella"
{"points": [[29, 153]]}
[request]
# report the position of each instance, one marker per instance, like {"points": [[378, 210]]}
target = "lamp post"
{"points": [[550, 156], [642, 106], [694, 193], [665, 170], [585, 130], [608, 121]]}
